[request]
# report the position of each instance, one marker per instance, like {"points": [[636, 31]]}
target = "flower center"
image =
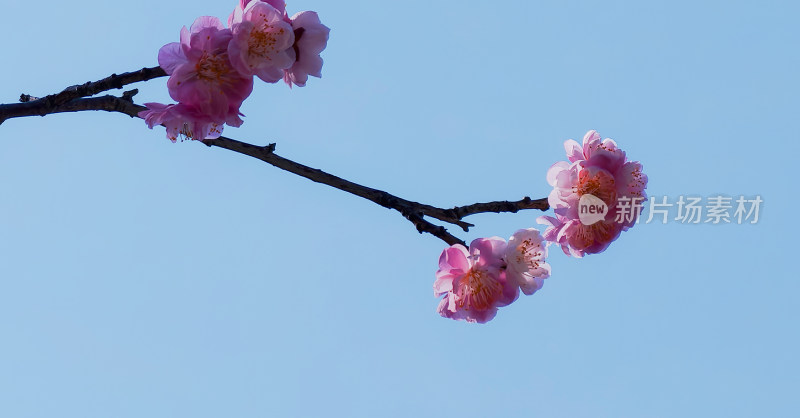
{"points": [[479, 290], [529, 254], [262, 42], [212, 67], [600, 185]]}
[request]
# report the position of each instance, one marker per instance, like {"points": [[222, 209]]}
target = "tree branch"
{"points": [[460, 212], [34, 106], [71, 100], [410, 210]]}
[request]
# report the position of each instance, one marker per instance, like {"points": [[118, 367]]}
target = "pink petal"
{"points": [[206, 22], [455, 257], [555, 170], [170, 56], [574, 150]]}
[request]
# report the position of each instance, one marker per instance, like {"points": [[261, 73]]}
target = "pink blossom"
{"points": [[473, 282], [311, 39], [201, 74], [600, 169], [238, 12], [525, 259], [262, 42], [183, 121]]}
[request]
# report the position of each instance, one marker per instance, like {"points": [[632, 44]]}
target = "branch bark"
{"points": [[35, 106], [412, 211], [74, 99]]}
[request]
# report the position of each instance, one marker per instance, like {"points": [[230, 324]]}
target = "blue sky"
{"points": [[144, 278]]}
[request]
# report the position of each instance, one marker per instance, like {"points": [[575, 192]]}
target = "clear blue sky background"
{"points": [[141, 278]]}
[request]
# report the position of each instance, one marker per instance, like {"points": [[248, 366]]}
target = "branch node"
{"points": [[25, 98], [128, 95]]}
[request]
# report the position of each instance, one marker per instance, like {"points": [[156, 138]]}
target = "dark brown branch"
{"points": [[410, 210], [33, 106], [413, 211], [106, 103], [460, 212]]}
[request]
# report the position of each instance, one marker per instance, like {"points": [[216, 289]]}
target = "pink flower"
{"points": [[598, 170], [236, 15], [201, 74], [262, 42], [311, 39], [183, 121], [525, 259], [474, 282]]}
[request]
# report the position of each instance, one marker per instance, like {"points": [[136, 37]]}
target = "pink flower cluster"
{"points": [[211, 69], [599, 169], [489, 275], [475, 282]]}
